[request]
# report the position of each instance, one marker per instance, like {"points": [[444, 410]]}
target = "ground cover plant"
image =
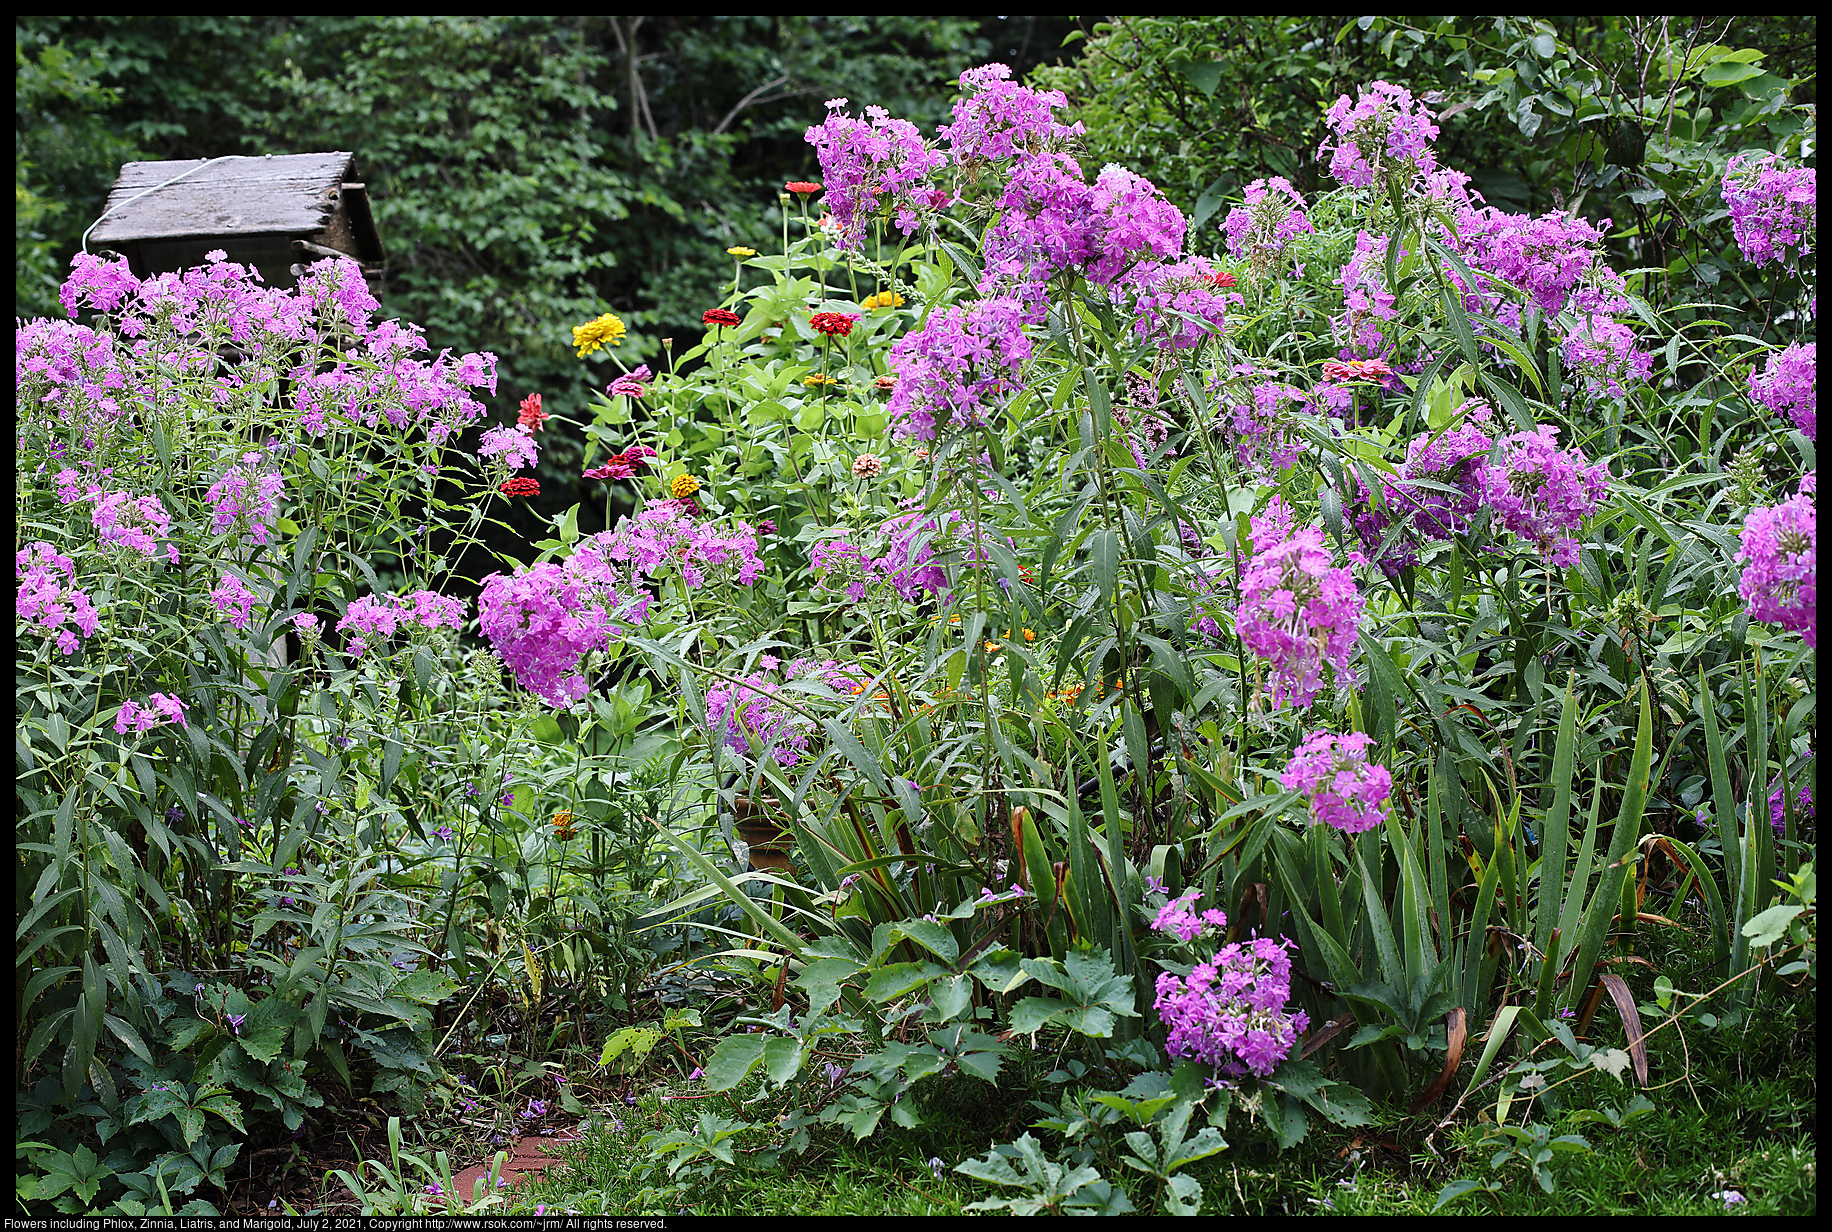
{"points": [[1085, 710]]}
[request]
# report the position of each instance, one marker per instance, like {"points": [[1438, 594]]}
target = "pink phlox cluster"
{"points": [[49, 602], [665, 534], [1174, 306], [373, 619], [964, 362], [1052, 220], [1270, 216], [1779, 548], [1454, 465], [1789, 385], [1548, 256], [1230, 1011], [542, 621], [1179, 917], [1345, 789], [840, 565], [1145, 432], [1365, 295], [997, 119], [102, 282], [909, 562], [136, 523], [1774, 208], [1265, 432], [517, 449], [339, 284], [1542, 493], [866, 161], [233, 600], [163, 708], [1383, 133], [1297, 610], [1603, 352], [745, 717], [245, 499]]}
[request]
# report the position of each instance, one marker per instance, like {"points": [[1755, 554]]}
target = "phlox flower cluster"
{"points": [[245, 499], [1603, 352], [1383, 134], [373, 619], [1455, 459], [516, 448], [1789, 385], [234, 600], [1265, 434], [1229, 1012], [1548, 256], [996, 119], [1344, 788], [1176, 306], [48, 602], [909, 562], [1365, 295], [1541, 492], [136, 523], [542, 621], [664, 534], [1774, 208], [1052, 220], [840, 566], [163, 708], [1779, 548], [1270, 215], [1297, 609], [868, 162], [964, 362], [1180, 918], [748, 716]]}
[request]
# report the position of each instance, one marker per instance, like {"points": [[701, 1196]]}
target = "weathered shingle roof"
{"points": [[284, 194]]}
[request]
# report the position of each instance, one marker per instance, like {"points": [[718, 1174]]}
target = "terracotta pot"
{"points": [[769, 842]]}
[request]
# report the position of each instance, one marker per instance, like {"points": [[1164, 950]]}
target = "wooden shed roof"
{"points": [[273, 194]]}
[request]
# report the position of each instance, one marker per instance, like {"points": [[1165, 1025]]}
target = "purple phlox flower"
{"points": [[444, 832], [1774, 208], [1345, 790]]}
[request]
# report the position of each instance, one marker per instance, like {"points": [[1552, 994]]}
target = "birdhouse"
{"points": [[271, 212]]}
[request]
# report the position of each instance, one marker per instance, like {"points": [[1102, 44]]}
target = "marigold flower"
{"points": [[719, 316], [563, 823], [741, 251], [592, 335], [883, 299], [802, 187], [521, 485], [532, 417], [833, 324], [684, 486], [868, 466]]}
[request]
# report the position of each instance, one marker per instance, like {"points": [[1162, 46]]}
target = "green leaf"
{"points": [[732, 1061], [1770, 926]]}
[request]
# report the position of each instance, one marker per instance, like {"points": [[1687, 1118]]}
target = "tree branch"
{"points": [[748, 99]]}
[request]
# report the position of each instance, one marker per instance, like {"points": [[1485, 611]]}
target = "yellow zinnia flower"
{"points": [[592, 335], [684, 486], [883, 299], [818, 379], [741, 252]]}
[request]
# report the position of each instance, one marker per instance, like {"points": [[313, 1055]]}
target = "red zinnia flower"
{"points": [[1220, 278], [802, 187], [521, 486], [833, 324], [532, 416], [719, 316]]}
